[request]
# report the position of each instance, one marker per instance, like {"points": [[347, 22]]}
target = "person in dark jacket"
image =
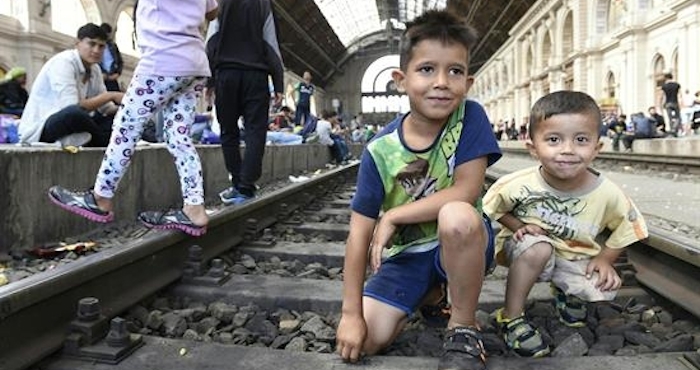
{"points": [[243, 53], [644, 128], [13, 95], [112, 62]]}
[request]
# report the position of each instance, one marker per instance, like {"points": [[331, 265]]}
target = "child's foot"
{"points": [[81, 203], [172, 220], [463, 349], [230, 196], [521, 337], [196, 213], [572, 310]]}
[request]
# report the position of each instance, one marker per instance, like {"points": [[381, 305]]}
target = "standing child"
{"points": [[169, 76], [302, 96], [425, 172], [553, 214]]}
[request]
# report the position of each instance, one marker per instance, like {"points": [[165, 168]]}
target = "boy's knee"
{"points": [[537, 252], [372, 346], [459, 220]]}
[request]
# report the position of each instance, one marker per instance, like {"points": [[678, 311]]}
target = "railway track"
{"points": [[37, 310]]}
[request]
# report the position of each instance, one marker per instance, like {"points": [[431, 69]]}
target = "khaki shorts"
{"points": [[569, 276]]}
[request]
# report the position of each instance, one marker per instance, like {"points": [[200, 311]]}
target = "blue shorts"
{"points": [[404, 279]]}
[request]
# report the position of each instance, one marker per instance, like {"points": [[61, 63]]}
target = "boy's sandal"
{"points": [[521, 337], [572, 310]]}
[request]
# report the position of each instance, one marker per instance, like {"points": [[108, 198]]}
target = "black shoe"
{"points": [[172, 219], [463, 349]]}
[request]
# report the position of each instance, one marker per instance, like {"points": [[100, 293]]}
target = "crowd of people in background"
{"points": [[682, 119]]}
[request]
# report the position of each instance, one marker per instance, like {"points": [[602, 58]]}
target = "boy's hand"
{"points": [[351, 334], [382, 237], [528, 229], [607, 276]]}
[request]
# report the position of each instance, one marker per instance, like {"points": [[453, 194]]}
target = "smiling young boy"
{"points": [[553, 214], [424, 171]]}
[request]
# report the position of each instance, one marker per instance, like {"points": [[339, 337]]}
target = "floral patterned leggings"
{"points": [[177, 96]]}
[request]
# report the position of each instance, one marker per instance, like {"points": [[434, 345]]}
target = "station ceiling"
{"points": [[323, 35]]}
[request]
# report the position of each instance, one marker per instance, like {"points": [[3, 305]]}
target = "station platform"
{"points": [[28, 218], [685, 146]]}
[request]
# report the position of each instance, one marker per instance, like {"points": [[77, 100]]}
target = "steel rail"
{"points": [[35, 312]]}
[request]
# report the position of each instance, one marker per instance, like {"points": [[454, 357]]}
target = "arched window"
{"points": [[568, 35], [69, 15], [601, 16], [528, 62], [659, 70], [674, 64], [124, 37], [610, 85], [546, 50], [379, 93]]}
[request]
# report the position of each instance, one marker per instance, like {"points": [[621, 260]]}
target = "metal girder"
{"points": [[297, 28]]}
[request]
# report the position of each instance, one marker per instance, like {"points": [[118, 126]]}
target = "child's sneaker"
{"points": [[172, 219], [231, 196], [521, 337], [572, 310], [82, 203], [463, 349], [77, 139]]}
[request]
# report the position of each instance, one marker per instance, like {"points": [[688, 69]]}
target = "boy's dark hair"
{"points": [[285, 109], [563, 102], [668, 76], [326, 114], [439, 25], [106, 27], [92, 31]]}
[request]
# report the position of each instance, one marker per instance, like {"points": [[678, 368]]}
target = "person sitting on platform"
{"points": [[327, 136], [68, 102], [282, 120], [13, 95], [644, 128], [553, 214], [658, 119]]}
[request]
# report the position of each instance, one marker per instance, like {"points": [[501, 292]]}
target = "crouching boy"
{"points": [[552, 215]]}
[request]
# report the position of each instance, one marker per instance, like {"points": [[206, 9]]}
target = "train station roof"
{"points": [[321, 36]]}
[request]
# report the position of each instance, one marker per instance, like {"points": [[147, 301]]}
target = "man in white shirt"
{"points": [[68, 97], [326, 131]]}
